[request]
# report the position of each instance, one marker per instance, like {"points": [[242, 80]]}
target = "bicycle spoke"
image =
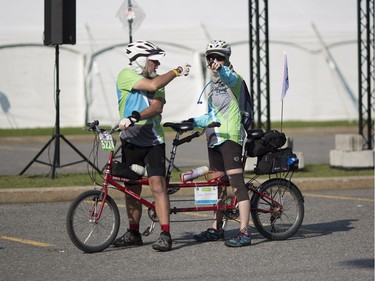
{"points": [[89, 236]]}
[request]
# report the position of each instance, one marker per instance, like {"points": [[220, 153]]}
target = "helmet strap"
{"points": [[227, 62], [146, 72], [139, 65]]}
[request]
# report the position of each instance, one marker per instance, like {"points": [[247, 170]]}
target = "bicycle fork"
{"points": [[96, 211]]}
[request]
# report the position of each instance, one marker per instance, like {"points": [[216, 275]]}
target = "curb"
{"points": [[66, 194], [334, 183]]}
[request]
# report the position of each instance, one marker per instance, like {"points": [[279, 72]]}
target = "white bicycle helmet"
{"points": [[218, 47], [143, 48]]}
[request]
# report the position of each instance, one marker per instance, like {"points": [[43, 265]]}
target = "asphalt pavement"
{"points": [[335, 242]]}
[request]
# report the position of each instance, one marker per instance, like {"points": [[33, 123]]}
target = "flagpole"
{"points": [[130, 20], [282, 113]]}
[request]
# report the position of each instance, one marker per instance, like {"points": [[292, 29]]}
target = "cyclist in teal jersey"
{"points": [[140, 89], [225, 142]]}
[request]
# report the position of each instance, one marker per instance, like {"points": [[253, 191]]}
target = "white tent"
{"points": [[322, 85]]}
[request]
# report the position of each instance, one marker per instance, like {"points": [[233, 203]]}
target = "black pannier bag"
{"points": [[121, 170], [270, 141], [275, 162]]}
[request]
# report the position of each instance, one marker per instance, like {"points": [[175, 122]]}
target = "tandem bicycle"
{"points": [[93, 218]]}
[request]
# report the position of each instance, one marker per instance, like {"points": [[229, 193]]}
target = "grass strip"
{"points": [[61, 180]]}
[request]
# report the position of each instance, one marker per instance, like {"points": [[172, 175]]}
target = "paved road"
{"points": [[335, 242], [17, 153]]}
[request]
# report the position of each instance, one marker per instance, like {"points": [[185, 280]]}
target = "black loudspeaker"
{"points": [[59, 22]]}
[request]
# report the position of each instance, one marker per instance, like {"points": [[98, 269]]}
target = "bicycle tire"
{"points": [[89, 236], [278, 225]]}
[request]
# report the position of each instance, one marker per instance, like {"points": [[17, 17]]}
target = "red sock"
{"points": [[165, 227], [134, 227]]}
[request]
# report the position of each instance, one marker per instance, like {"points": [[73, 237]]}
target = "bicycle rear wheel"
{"points": [[86, 231], [273, 222]]}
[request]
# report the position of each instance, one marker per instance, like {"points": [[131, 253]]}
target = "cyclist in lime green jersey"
{"points": [[140, 89], [225, 142]]}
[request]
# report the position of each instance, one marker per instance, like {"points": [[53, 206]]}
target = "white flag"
{"points": [[286, 78], [130, 14]]}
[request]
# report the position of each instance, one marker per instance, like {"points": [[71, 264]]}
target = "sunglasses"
{"points": [[215, 57]]}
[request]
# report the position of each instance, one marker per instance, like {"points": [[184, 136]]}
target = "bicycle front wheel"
{"points": [[89, 232], [277, 221]]}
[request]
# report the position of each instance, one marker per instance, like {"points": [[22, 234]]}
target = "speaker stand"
{"points": [[57, 136]]}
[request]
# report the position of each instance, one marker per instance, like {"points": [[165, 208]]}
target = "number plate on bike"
{"points": [[205, 195], [106, 142]]}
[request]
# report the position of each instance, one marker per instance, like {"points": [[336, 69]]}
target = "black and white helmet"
{"points": [[143, 48], [218, 47]]}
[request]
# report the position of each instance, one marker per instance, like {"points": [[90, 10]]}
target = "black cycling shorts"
{"points": [[150, 157], [225, 156]]}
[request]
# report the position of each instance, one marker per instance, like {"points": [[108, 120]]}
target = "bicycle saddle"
{"points": [[180, 127]]}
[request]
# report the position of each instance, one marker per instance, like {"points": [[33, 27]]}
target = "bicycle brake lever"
{"points": [[114, 129]]}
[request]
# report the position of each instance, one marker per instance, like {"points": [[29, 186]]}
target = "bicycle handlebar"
{"points": [[195, 134], [186, 139], [94, 126]]}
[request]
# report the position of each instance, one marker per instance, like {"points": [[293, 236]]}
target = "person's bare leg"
{"points": [[244, 208], [243, 205], [218, 215], [133, 206], [134, 211], [162, 206], [159, 192], [237, 181]]}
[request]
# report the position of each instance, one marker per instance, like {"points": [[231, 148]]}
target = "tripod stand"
{"points": [[57, 136]]}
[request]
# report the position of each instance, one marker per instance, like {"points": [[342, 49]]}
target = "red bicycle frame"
{"points": [[115, 181]]}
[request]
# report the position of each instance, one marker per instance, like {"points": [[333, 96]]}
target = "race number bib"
{"points": [[106, 141]]}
